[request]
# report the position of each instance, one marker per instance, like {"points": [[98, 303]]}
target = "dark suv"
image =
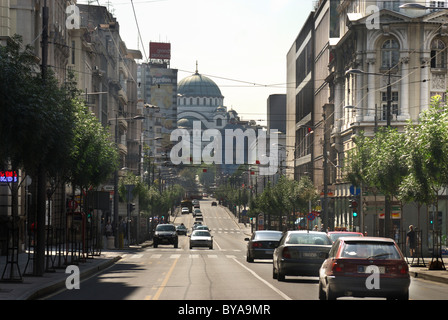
{"points": [[165, 234]]}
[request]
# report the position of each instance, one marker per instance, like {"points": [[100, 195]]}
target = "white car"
{"points": [[201, 238], [185, 210]]}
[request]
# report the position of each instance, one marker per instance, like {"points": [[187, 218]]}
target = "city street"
{"points": [[167, 273]]}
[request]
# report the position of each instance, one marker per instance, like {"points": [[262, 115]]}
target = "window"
{"points": [[390, 54], [393, 106], [438, 54], [437, 4]]}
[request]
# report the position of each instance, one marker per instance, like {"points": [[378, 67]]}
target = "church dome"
{"points": [[198, 85]]}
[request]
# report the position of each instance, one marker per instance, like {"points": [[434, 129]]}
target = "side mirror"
{"points": [[246, 239]]}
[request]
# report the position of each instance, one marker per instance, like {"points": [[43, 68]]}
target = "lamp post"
{"points": [[387, 202], [116, 198], [328, 223]]}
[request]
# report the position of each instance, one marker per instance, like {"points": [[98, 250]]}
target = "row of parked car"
{"points": [[347, 264]]}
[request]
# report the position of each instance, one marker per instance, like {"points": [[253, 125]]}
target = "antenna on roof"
{"points": [[197, 67]]}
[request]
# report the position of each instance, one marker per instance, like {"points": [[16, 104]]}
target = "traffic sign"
{"points": [[355, 190], [311, 216]]}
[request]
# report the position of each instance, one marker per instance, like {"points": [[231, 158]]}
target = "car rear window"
{"points": [[370, 250], [268, 236], [202, 234], [308, 238], [165, 227]]}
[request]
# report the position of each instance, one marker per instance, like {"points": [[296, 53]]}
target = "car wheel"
{"points": [[274, 274], [175, 245], [322, 295], [248, 258], [330, 294], [155, 244], [280, 276]]}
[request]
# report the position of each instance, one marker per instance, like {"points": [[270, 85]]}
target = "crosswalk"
{"points": [[191, 254]]}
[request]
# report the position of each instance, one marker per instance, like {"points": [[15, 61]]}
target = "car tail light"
{"points": [[403, 269], [337, 267], [286, 254], [256, 245]]}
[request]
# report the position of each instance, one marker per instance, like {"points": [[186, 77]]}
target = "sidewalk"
{"points": [[36, 287], [440, 276]]}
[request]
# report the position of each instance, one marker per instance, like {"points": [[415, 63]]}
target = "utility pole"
{"points": [[387, 200], [39, 266]]}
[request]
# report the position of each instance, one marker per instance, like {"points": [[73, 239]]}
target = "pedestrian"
{"points": [[108, 229], [410, 240]]}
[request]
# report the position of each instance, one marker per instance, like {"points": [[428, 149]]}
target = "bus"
{"points": [[187, 203]]}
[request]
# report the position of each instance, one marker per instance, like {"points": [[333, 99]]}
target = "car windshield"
{"points": [[370, 250], [201, 233], [308, 238], [165, 227], [268, 236]]}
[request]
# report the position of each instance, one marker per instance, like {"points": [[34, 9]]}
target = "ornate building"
{"points": [[200, 99]]}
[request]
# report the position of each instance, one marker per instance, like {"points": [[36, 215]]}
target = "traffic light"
{"points": [[354, 206], [131, 207]]}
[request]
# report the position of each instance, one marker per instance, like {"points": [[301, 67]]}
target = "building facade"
{"points": [[362, 49]]}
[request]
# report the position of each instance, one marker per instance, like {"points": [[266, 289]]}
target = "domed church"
{"points": [[200, 99]]}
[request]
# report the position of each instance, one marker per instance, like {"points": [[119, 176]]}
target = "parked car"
{"points": [[185, 210], [201, 238], [300, 253], [261, 244], [165, 234], [334, 235], [351, 261], [214, 204], [181, 229]]}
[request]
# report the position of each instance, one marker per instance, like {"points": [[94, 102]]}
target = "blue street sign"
{"points": [[355, 190]]}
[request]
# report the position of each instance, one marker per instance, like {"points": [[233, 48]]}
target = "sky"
{"points": [[240, 44]]}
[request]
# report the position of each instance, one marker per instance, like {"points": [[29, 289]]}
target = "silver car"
{"points": [[300, 253], [201, 238]]}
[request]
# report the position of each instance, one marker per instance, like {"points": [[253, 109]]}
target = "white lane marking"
{"points": [[284, 296]]}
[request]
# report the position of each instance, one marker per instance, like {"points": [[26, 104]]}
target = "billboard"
{"points": [[164, 95], [160, 50]]}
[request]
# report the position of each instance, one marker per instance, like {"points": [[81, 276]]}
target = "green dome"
{"points": [[198, 85]]}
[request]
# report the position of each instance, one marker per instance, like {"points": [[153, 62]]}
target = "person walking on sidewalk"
{"points": [[410, 240]]}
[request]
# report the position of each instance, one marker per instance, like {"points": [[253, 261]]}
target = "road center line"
{"points": [[284, 296], [165, 281]]}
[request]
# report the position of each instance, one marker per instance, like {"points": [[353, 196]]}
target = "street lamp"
{"points": [[116, 198], [387, 206], [389, 88], [325, 210]]}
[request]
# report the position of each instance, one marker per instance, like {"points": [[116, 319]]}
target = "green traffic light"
{"points": [[355, 214]]}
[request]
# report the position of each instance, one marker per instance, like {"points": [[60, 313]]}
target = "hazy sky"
{"points": [[239, 44]]}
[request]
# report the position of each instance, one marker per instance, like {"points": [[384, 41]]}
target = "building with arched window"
{"points": [[402, 58], [368, 55]]}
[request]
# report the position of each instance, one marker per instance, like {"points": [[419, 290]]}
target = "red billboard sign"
{"points": [[160, 50]]}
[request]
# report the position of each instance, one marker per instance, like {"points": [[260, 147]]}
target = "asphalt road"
{"points": [[222, 273]]}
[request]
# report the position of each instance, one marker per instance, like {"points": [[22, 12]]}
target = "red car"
{"points": [[364, 267]]}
